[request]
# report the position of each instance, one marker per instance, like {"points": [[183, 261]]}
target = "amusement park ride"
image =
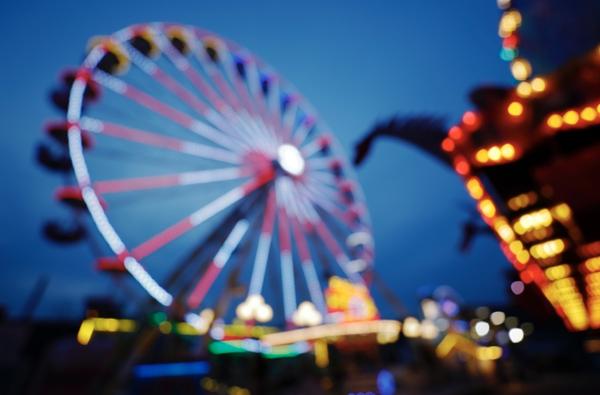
{"points": [[203, 170], [530, 155]]}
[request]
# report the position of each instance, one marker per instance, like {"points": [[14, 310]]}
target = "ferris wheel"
{"points": [[187, 148]]}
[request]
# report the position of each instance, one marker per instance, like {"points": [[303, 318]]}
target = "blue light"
{"points": [[172, 369]]}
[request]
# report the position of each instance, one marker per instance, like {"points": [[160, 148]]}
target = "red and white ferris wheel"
{"points": [[182, 141]]}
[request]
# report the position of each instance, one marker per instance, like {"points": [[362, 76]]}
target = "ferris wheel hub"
{"points": [[290, 159]]}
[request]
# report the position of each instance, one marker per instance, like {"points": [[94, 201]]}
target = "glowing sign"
{"points": [[348, 302]]}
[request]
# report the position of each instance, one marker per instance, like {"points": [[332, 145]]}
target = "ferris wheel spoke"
{"points": [[157, 140], [325, 235], [232, 241], [266, 119], [196, 218], [264, 246], [214, 73], [286, 260], [188, 122], [169, 180], [303, 130], [308, 267], [183, 65]]}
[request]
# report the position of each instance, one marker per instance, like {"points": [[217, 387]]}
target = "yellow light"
{"points": [[523, 200], [571, 117], [547, 249], [411, 327], [489, 353], [522, 257], [508, 151], [562, 212], [554, 121], [481, 156], [332, 330], [589, 114], [487, 208], [321, 354], [538, 84], [515, 246], [558, 272], [86, 330], [509, 22], [515, 109], [504, 230], [494, 153], [474, 187], [165, 327], [533, 220], [524, 89], [593, 264], [521, 69]]}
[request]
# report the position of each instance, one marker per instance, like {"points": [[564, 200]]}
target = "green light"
{"points": [[231, 347], [158, 317], [508, 54]]}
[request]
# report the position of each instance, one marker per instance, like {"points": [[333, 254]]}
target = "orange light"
{"points": [[571, 117], [554, 121], [515, 109]]}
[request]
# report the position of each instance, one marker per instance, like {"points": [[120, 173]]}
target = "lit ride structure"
{"points": [[178, 139], [530, 156]]}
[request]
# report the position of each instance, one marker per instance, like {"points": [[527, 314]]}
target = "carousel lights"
{"points": [[533, 220], [558, 272], [474, 188], [495, 153], [522, 200], [547, 249], [592, 264], [589, 114], [487, 208], [515, 109]]}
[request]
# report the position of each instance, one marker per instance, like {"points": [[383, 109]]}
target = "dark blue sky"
{"points": [[356, 61]]}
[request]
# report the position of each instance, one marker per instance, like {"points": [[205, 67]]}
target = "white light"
{"points": [[412, 327], [290, 159], [516, 335], [482, 328], [497, 317]]}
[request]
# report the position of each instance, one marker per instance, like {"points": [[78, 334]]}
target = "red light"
{"points": [[455, 132], [511, 41], [470, 118], [448, 145], [462, 167]]}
